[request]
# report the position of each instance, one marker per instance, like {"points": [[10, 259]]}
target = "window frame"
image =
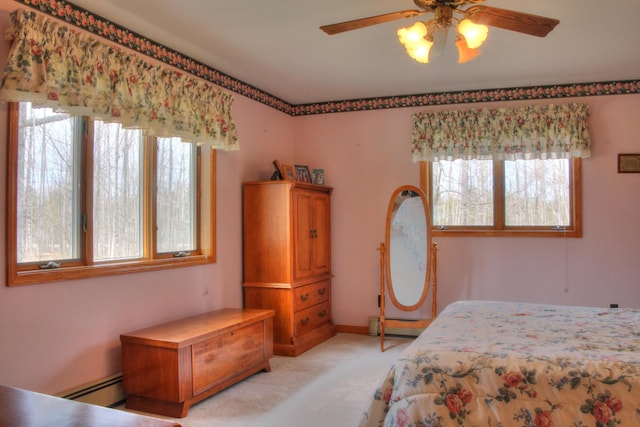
{"points": [[499, 228], [84, 266]]}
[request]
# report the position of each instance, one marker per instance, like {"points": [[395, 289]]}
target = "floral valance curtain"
{"points": [[530, 132], [54, 65]]}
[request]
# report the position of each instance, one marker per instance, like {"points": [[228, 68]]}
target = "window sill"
{"points": [[506, 233], [30, 277]]}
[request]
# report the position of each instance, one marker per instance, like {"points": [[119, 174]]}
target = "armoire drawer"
{"points": [[310, 295], [312, 317]]}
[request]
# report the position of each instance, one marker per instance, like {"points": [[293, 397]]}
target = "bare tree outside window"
{"points": [[117, 192], [462, 193], [47, 199], [530, 194], [176, 195], [88, 198], [537, 192]]}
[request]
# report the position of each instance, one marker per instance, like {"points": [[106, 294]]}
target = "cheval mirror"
{"points": [[407, 259]]}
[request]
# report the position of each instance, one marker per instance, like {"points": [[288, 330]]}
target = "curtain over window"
{"points": [[57, 66], [530, 132]]}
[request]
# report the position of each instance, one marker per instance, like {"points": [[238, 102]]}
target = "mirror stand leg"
{"points": [[381, 301], [434, 273]]}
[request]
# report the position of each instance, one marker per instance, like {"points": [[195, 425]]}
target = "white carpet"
{"points": [[327, 386]]}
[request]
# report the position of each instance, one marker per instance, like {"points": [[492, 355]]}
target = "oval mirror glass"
{"points": [[408, 243]]}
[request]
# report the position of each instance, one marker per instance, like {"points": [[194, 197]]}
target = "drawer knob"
{"points": [[304, 297], [322, 291], [305, 321], [323, 313]]}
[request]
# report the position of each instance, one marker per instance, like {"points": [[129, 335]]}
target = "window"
{"points": [[88, 198], [504, 171], [519, 197], [176, 196]]}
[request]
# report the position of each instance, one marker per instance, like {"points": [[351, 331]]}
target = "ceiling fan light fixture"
{"points": [[411, 35], [417, 41], [420, 50], [465, 53], [474, 34]]}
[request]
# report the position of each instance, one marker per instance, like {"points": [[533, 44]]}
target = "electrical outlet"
{"points": [[613, 305]]}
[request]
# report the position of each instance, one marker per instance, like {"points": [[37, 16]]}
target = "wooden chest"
{"points": [[169, 367]]}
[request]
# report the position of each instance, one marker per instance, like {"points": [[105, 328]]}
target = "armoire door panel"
{"points": [[303, 239], [321, 235]]}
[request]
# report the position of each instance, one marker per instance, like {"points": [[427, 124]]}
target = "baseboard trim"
{"points": [[103, 392], [349, 329], [374, 328]]}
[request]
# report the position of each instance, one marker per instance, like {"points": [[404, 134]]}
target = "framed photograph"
{"points": [[318, 176], [302, 173], [628, 163], [279, 169], [289, 175]]}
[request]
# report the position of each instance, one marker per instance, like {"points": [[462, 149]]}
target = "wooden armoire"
{"points": [[287, 260]]}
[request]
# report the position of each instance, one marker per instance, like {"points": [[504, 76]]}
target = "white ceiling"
{"points": [[276, 45]]}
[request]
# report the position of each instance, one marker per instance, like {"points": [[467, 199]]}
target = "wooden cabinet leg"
{"points": [[170, 409]]}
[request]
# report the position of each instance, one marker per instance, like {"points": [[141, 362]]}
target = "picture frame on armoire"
{"points": [[318, 176], [302, 173], [279, 171], [289, 174]]}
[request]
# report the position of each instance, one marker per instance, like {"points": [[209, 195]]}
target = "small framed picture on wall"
{"points": [[628, 163]]}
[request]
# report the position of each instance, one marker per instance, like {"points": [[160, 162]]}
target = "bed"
{"points": [[494, 364]]}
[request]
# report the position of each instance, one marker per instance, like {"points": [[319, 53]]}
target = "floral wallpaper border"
{"points": [[97, 25]]}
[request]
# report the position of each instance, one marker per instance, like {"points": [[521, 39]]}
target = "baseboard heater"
{"points": [[103, 392], [374, 328]]}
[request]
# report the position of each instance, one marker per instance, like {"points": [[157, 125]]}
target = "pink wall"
{"points": [[367, 154], [61, 335], [56, 336]]}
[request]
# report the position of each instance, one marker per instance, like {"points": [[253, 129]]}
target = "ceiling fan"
{"points": [[425, 39]]}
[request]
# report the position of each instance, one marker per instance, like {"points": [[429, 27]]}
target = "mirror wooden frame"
{"points": [[430, 281]]}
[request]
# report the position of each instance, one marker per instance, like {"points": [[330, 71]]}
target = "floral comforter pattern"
{"points": [[513, 364]]}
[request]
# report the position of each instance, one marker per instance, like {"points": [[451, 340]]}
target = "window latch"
{"points": [[181, 254], [443, 227], [559, 228], [50, 265]]}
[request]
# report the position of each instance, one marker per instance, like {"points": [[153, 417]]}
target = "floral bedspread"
{"points": [[492, 364]]}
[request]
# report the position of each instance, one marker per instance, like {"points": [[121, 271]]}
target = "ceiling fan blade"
{"points": [[511, 20], [366, 22], [439, 41]]}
